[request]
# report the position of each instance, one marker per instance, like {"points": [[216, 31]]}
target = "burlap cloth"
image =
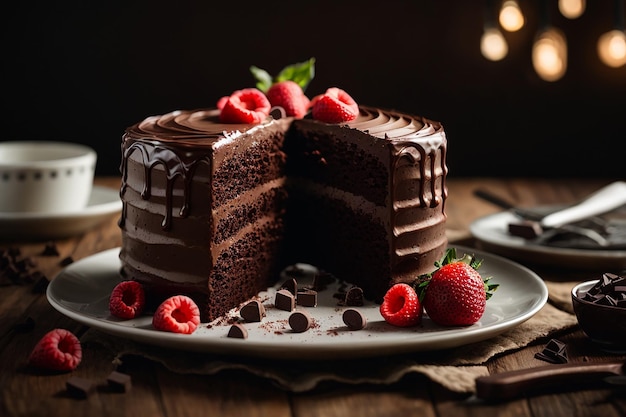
{"points": [[455, 369]]}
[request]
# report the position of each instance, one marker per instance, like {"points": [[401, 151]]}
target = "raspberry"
{"points": [[249, 105], [177, 314], [127, 300], [289, 96], [334, 106], [57, 350], [401, 306]]}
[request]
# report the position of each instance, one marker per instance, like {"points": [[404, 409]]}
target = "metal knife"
{"points": [[512, 384]]}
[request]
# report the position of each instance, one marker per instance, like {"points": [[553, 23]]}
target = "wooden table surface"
{"points": [[159, 392]]}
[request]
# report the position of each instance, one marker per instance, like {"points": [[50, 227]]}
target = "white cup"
{"points": [[45, 176]]}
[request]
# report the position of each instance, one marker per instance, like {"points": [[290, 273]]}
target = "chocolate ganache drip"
{"points": [[420, 141]]}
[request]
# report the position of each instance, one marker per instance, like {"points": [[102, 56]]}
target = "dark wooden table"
{"points": [[159, 392]]}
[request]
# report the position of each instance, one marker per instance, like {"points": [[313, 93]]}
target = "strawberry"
{"points": [[455, 294], [289, 95], [127, 300], [401, 306], [334, 106], [57, 350], [177, 314], [245, 106]]}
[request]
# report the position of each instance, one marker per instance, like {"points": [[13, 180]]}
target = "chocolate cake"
{"points": [[215, 211]]}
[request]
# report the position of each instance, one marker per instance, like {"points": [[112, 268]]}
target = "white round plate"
{"points": [[492, 233], [103, 203], [81, 291]]}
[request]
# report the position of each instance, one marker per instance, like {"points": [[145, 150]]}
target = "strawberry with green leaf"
{"points": [[455, 294], [286, 90]]}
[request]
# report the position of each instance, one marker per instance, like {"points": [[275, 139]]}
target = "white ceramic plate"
{"points": [[493, 236], [103, 203], [81, 291]]}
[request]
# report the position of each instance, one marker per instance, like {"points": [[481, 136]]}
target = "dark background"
{"points": [[84, 71]]}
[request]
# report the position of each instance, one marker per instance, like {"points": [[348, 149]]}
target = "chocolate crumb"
{"points": [[79, 387], [119, 382], [237, 331], [284, 300], [252, 311], [300, 321], [354, 319]]}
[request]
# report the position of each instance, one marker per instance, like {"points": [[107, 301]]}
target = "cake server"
{"points": [[513, 384]]}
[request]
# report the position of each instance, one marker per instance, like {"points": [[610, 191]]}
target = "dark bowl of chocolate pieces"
{"points": [[600, 307]]}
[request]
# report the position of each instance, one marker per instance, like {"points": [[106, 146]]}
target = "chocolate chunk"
{"points": [[354, 319], [66, 261], [526, 229], [79, 387], [119, 382], [300, 321], [610, 290], [354, 297], [25, 326], [555, 351], [306, 298], [50, 250], [252, 311], [237, 331], [285, 300], [41, 285], [321, 280], [290, 285]]}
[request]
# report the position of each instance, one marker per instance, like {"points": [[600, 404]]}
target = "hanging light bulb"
{"points": [[511, 17], [549, 54], [612, 44], [572, 9], [612, 48], [493, 46]]}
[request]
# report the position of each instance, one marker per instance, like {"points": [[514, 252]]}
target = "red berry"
{"points": [[455, 295], [221, 102], [177, 314], [57, 350], [289, 95], [334, 106], [249, 105], [401, 306], [127, 300]]}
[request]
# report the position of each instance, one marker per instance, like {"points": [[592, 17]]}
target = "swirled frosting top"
{"points": [[203, 127]]}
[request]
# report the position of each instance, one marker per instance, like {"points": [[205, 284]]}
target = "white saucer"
{"points": [[82, 290], [103, 203], [492, 233]]}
